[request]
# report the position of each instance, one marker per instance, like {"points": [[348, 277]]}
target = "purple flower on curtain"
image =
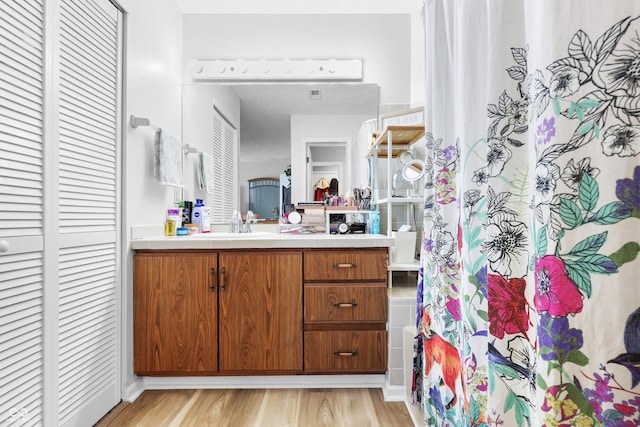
{"points": [[505, 247], [507, 306], [572, 173], [450, 153], [622, 141], [497, 156], [601, 394], [436, 399], [556, 339], [482, 277], [628, 190], [545, 183], [619, 74], [556, 293], [564, 82], [546, 130]]}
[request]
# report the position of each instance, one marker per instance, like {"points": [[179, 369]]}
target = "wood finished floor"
{"points": [[259, 408]]}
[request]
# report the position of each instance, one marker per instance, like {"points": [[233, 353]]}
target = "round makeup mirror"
{"points": [[412, 172], [404, 157]]}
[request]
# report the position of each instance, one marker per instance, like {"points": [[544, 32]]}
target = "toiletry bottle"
{"points": [[201, 215], [374, 217], [196, 214], [173, 217], [186, 206], [205, 223]]}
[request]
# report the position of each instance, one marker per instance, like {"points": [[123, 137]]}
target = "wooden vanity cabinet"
{"points": [[260, 299], [345, 311], [175, 313]]}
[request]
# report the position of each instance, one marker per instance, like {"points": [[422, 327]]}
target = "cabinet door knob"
{"points": [[345, 304], [345, 353], [212, 286], [344, 265], [223, 277]]}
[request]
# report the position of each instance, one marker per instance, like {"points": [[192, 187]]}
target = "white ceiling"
{"points": [[298, 6], [265, 109]]}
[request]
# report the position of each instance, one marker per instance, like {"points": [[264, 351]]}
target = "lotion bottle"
{"points": [[201, 215]]}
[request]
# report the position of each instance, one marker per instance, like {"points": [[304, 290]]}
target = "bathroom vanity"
{"points": [[267, 304]]}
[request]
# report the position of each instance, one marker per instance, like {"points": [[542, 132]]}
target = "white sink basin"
{"points": [[227, 235]]}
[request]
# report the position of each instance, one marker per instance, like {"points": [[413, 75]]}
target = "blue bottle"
{"points": [[374, 219]]}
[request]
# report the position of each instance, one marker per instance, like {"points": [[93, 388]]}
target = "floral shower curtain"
{"points": [[529, 288]]}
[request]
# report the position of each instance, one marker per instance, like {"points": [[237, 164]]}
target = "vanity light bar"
{"points": [[276, 69]]}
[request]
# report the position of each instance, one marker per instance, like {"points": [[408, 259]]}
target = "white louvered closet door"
{"points": [[59, 190], [89, 136], [21, 212]]}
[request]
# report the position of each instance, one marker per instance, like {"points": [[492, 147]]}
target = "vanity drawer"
{"points": [[338, 302], [345, 265], [351, 351]]}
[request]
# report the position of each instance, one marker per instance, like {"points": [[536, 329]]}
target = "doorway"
{"points": [[328, 159]]}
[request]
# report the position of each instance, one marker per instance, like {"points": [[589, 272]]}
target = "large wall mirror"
{"points": [[279, 122]]}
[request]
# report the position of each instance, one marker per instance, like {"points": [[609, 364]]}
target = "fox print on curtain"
{"points": [[528, 298]]}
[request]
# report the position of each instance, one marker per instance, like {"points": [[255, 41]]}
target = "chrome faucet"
{"points": [[236, 225], [247, 222], [236, 222]]}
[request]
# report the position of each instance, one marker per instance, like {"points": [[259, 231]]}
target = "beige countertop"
{"points": [[260, 240]]}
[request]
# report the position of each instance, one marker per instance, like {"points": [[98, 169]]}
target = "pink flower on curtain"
{"points": [[556, 293], [453, 306], [507, 306]]}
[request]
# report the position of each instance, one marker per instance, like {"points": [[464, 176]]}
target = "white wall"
{"points": [[381, 41], [153, 78]]}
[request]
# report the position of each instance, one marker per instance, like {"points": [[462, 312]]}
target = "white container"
{"points": [[403, 252]]}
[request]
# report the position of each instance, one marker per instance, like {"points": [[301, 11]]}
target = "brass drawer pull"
{"points": [[345, 353], [344, 265], [345, 304]]}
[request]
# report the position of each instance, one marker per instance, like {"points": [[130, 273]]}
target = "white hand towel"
{"points": [[206, 165], [167, 159]]}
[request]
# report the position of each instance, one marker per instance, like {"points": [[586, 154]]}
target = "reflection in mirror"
{"points": [[276, 118], [412, 172]]}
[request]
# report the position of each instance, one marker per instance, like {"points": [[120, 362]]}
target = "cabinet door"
{"points": [[175, 306], [260, 311]]}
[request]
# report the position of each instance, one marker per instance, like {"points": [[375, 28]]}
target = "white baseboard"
{"points": [[415, 414], [133, 390], [393, 393], [252, 382]]}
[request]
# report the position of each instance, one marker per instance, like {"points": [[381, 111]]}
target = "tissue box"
{"points": [[405, 247]]}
